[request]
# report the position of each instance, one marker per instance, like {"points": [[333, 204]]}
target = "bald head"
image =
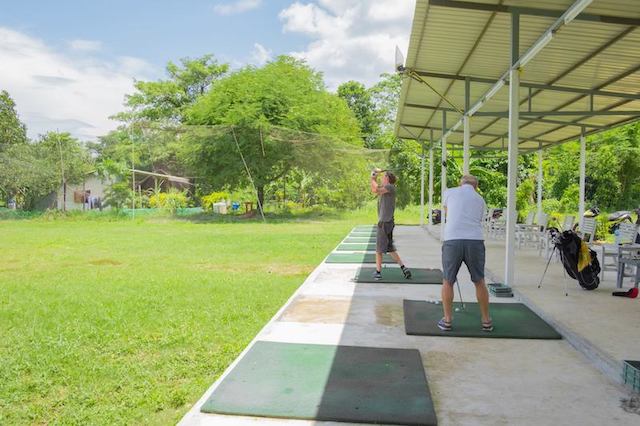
{"points": [[469, 180]]}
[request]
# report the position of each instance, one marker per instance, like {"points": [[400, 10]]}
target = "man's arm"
{"points": [[375, 188]]}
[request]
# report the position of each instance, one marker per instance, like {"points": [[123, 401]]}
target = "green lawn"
{"points": [[130, 321]]}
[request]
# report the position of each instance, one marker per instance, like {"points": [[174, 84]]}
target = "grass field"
{"points": [[129, 321]]}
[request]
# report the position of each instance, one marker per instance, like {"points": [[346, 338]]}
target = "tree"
{"points": [[12, 130], [385, 95], [168, 99], [67, 156], [15, 155], [359, 100], [271, 120]]}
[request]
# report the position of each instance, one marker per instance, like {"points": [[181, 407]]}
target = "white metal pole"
{"points": [[465, 124], [465, 146], [583, 172], [539, 201], [443, 175], [514, 116], [430, 210], [422, 185]]}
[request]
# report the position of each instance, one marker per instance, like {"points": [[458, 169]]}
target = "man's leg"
{"points": [[474, 258], [381, 243], [482, 294], [395, 256], [447, 300], [391, 249], [452, 255]]}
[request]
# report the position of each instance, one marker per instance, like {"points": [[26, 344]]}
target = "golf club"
{"points": [[460, 293]]}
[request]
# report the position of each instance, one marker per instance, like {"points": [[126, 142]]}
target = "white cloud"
{"points": [[350, 39], [54, 91], [260, 55], [85, 45], [235, 7]]}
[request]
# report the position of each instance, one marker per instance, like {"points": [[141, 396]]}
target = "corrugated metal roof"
{"points": [[455, 40]]}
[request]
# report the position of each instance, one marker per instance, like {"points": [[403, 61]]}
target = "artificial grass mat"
{"points": [[394, 275], [357, 258], [370, 235], [326, 383], [510, 320], [360, 240], [360, 228], [356, 247]]}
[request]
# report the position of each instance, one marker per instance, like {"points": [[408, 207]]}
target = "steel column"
{"points": [[430, 209], [583, 168], [466, 129], [514, 109], [443, 174], [422, 184], [539, 200]]}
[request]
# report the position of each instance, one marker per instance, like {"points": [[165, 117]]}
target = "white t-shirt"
{"points": [[465, 211]]}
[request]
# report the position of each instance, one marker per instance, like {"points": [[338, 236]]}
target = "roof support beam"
{"points": [[568, 16], [501, 115], [532, 85], [559, 113], [532, 11], [491, 135], [578, 64]]}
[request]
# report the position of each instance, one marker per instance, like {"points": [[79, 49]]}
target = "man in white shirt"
{"points": [[463, 241]]}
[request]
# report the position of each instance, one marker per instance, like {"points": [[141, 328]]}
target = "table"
{"points": [[628, 255]]}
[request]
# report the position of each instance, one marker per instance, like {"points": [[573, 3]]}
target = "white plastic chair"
{"points": [[533, 234], [587, 230], [626, 235]]}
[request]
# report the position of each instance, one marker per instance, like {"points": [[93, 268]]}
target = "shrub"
{"points": [[209, 200], [172, 200], [569, 200]]}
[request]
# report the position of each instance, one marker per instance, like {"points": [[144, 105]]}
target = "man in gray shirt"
{"points": [[384, 231]]}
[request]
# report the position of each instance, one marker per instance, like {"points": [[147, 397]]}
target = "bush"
{"points": [[172, 200], [551, 206], [569, 200], [209, 200]]}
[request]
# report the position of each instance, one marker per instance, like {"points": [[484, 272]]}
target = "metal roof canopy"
{"points": [[579, 68], [582, 72]]}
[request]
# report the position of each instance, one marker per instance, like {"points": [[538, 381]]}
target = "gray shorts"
{"points": [[384, 237], [471, 252]]}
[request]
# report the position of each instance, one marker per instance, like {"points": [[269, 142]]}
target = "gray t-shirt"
{"points": [[387, 204]]}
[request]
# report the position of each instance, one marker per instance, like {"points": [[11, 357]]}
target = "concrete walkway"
{"points": [[473, 381]]}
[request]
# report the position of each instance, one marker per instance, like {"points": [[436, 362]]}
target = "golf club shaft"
{"points": [[460, 293]]}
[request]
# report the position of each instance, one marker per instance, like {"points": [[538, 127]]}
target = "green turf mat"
{"points": [[510, 320], [327, 383], [394, 275], [357, 258], [359, 240], [356, 247], [364, 228]]}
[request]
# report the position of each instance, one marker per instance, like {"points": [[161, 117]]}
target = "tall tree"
{"points": [[359, 100], [273, 111], [12, 130], [168, 99]]}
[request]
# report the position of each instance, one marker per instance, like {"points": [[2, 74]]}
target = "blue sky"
{"points": [[68, 63]]}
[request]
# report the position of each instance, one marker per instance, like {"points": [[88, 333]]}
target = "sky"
{"points": [[69, 63]]}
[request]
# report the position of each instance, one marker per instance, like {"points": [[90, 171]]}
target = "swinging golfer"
{"points": [[463, 242], [386, 208]]}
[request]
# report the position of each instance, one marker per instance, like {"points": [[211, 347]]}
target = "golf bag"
{"points": [[436, 216], [568, 244]]}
